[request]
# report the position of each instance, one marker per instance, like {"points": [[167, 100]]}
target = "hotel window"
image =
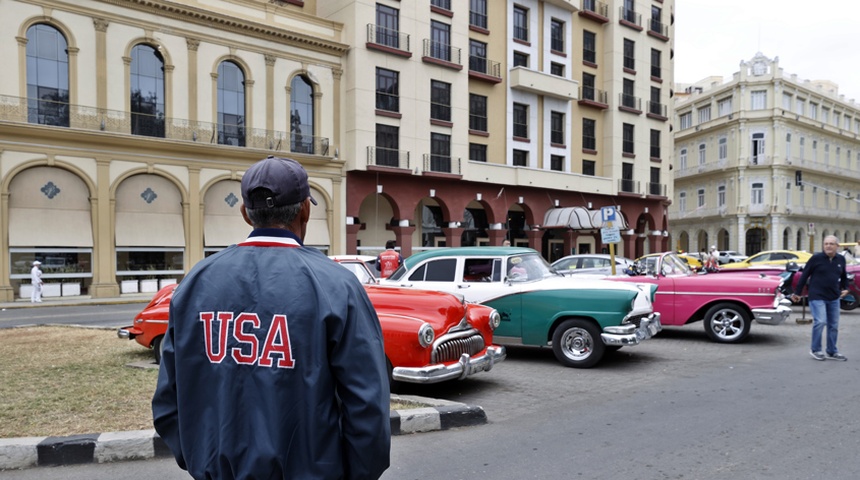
{"points": [[387, 90], [557, 35], [656, 19], [521, 120], [521, 23], [478, 13], [815, 150], [704, 114], [588, 92], [723, 148], [589, 47], [478, 56], [556, 162], [443, 4], [521, 158], [521, 59], [477, 152], [302, 115], [800, 106], [440, 100], [557, 128], [231, 105], [655, 143], [682, 201], [813, 111], [700, 198], [836, 116], [627, 141], [440, 36], [589, 141], [628, 98], [802, 145], [656, 62], [826, 153], [758, 99], [682, 159], [825, 115], [387, 26], [627, 184], [556, 69], [387, 145], [477, 112], [629, 54], [147, 91], [440, 152], [47, 76], [757, 148], [757, 194], [656, 188], [721, 196], [703, 153], [786, 101], [588, 167], [724, 106], [686, 120]]}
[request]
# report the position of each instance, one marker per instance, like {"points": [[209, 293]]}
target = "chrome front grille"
{"points": [[449, 348]]}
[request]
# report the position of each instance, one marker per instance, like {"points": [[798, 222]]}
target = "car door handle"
{"points": [[463, 286], [405, 284]]}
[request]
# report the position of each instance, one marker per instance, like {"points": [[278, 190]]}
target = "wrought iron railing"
{"points": [[15, 109], [441, 51], [441, 163], [485, 66], [387, 157], [387, 37]]}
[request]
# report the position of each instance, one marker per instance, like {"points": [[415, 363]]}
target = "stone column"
{"points": [[453, 236], [403, 237]]}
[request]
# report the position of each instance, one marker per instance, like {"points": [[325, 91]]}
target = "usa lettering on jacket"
{"points": [[248, 352]]}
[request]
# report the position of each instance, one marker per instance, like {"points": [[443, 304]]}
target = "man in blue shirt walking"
{"points": [[827, 283]]}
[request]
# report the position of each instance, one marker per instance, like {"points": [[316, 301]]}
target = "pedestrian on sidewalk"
{"points": [[827, 282], [36, 281], [388, 261], [273, 363]]}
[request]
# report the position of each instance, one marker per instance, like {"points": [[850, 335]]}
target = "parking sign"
{"points": [[607, 214]]}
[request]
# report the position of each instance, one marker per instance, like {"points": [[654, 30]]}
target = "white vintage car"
{"points": [[578, 318]]}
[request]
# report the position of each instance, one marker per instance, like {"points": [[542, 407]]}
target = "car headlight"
{"points": [[426, 335], [495, 320], [850, 277]]}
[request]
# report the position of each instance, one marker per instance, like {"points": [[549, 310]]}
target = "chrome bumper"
{"points": [[771, 316], [125, 333], [463, 368], [627, 335]]}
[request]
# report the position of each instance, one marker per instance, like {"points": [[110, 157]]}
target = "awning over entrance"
{"points": [[578, 218]]}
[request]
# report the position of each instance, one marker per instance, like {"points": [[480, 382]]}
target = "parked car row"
{"points": [[449, 313]]}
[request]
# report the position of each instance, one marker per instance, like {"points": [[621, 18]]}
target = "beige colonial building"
{"points": [[125, 128], [765, 161], [468, 123]]}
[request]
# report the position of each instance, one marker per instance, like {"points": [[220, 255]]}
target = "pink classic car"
{"points": [[727, 304]]}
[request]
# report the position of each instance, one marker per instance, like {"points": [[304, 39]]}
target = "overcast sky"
{"points": [[816, 40]]}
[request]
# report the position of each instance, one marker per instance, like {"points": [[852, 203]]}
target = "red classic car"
{"points": [[429, 336], [727, 304]]}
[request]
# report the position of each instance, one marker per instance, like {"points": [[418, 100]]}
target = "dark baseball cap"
{"points": [[285, 177]]}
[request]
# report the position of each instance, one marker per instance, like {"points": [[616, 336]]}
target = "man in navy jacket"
{"points": [[273, 364], [828, 282]]}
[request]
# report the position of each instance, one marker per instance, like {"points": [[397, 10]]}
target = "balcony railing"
{"points": [[630, 16], [485, 67], [441, 164], [659, 28], [15, 109], [593, 95], [658, 189], [387, 157], [387, 37], [628, 186], [441, 51], [596, 7], [658, 109], [630, 102]]}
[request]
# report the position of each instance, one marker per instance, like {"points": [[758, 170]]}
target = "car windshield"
{"points": [[671, 265], [527, 267]]}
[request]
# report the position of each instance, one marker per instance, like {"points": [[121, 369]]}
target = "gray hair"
{"points": [[274, 216]]}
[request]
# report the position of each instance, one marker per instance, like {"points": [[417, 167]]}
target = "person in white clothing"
{"points": [[36, 280]]}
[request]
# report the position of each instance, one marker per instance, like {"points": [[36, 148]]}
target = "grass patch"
{"points": [[59, 381]]}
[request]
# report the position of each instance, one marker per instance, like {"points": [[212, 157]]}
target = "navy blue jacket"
{"points": [[273, 368], [826, 277]]}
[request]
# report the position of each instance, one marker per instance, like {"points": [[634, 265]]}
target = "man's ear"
{"points": [[245, 215], [305, 213]]}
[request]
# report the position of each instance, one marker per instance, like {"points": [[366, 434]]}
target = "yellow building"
{"points": [[125, 128], [765, 161]]}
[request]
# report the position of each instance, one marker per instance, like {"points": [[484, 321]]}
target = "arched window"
{"points": [[147, 91], [301, 115], [231, 105], [47, 76]]}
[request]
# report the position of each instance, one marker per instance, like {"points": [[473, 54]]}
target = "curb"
{"points": [[27, 452]]}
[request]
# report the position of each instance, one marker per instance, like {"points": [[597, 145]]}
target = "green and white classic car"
{"points": [[579, 319]]}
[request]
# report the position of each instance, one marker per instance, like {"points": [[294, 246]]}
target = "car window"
{"points": [[478, 270], [418, 274], [602, 262], [764, 257], [442, 270]]}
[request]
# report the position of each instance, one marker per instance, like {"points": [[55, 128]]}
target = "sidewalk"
{"points": [[18, 453]]}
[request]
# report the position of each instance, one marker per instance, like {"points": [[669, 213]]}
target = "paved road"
{"points": [[678, 407], [110, 315]]}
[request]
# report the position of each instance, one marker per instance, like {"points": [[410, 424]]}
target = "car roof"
{"points": [[465, 251]]}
